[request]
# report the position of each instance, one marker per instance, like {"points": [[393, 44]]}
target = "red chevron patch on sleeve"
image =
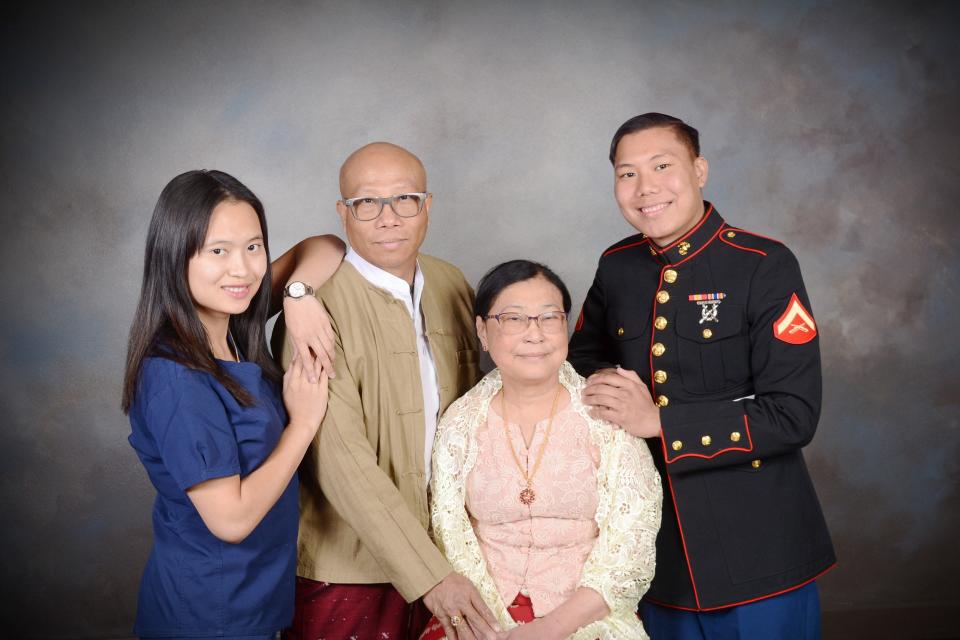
{"points": [[796, 325]]}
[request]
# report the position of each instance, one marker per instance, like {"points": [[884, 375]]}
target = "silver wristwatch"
{"points": [[297, 290]]}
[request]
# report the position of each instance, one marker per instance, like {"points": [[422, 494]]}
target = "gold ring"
{"points": [[455, 621]]}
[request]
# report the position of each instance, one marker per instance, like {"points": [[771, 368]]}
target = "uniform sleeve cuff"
{"points": [[705, 440]]}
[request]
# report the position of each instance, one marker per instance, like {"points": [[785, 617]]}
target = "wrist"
{"points": [[552, 627], [301, 430], [656, 424], [296, 289], [656, 427]]}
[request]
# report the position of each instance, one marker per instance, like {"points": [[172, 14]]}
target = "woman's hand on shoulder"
{"points": [[306, 401], [310, 334]]}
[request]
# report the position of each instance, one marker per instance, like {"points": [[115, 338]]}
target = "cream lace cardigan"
{"points": [[621, 565]]}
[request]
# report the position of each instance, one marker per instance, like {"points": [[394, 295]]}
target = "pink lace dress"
{"points": [[537, 550]]}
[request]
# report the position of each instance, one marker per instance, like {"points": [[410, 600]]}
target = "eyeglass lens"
{"points": [[406, 205], [514, 323]]}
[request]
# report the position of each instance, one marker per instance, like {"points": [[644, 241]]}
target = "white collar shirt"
{"points": [[410, 297]]}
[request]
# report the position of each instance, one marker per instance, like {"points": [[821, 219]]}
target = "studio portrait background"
{"points": [[831, 126]]}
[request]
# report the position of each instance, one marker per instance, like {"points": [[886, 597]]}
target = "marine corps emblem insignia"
{"points": [[709, 305], [796, 325]]}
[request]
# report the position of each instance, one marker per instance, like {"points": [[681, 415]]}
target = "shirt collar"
{"points": [[378, 277], [693, 241]]}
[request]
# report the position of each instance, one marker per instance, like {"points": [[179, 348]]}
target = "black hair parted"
{"points": [[503, 275], [687, 134], [166, 323]]}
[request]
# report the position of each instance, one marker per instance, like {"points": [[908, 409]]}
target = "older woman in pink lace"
{"points": [[551, 513]]}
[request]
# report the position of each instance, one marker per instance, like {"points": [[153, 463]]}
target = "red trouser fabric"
{"points": [[521, 611], [347, 611]]}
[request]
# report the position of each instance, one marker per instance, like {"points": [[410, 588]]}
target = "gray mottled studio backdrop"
{"points": [[830, 125]]}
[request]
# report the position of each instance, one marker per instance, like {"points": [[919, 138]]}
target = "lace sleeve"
{"points": [[454, 454], [622, 562]]}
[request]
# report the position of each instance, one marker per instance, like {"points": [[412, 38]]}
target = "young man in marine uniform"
{"points": [[698, 336]]}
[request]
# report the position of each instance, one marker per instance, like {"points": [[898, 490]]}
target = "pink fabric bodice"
{"points": [[540, 548]]}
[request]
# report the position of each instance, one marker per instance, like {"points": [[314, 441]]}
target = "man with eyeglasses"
{"points": [[405, 349]]}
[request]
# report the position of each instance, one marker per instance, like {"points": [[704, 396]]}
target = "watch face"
{"points": [[296, 290]]}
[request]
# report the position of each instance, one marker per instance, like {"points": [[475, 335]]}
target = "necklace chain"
{"points": [[236, 349], [528, 495]]}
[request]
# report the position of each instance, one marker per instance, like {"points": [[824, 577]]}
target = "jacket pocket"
{"points": [[764, 518], [629, 332], [714, 355]]}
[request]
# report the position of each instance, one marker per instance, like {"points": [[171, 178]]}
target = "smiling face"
{"points": [[226, 272], [532, 355], [390, 242], [658, 183]]}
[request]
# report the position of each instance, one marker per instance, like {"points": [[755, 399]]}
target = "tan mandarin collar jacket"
{"points": [[363, 500]]}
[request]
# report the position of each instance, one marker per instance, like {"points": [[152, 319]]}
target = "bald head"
{"points": [[389, 241], [380, 163]]}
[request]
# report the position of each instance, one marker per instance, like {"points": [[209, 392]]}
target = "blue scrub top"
{"points": [[187, 428]]}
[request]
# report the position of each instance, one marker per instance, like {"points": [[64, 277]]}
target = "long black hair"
{"points": [[166, 323]]}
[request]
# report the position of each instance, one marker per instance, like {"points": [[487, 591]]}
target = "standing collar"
{"points": [[693, 241], [378, 277]]}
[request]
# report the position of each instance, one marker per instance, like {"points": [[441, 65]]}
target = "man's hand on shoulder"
{"points": [[461, 610], [620, 397]]}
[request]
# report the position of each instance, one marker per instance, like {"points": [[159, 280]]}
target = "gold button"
{"points": [[731, 234], [662, 401], [670, 276], [660, 323], [660, 377], [663, 297], [658, 349], [707, 333], [620, 331], [756, 464], [683, 248], [676, 445], [706, 440], [735, 436]]}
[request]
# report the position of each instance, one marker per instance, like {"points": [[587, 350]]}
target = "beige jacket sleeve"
{"points": [[366, 498]]}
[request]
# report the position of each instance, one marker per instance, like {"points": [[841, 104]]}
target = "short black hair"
{"points": [[508, 273], [687, 134]]}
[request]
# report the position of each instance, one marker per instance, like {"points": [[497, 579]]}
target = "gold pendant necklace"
{"points": [[527, 494]]}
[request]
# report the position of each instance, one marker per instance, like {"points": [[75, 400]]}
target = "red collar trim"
{"points": [[627, 246], [706, 214], [692, 242]]}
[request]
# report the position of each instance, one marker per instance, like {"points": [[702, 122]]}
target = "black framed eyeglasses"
{"points": [[367, 208], [512, 323]]}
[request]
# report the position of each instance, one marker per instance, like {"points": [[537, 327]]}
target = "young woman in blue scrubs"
{"points": [[208, 423]]}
